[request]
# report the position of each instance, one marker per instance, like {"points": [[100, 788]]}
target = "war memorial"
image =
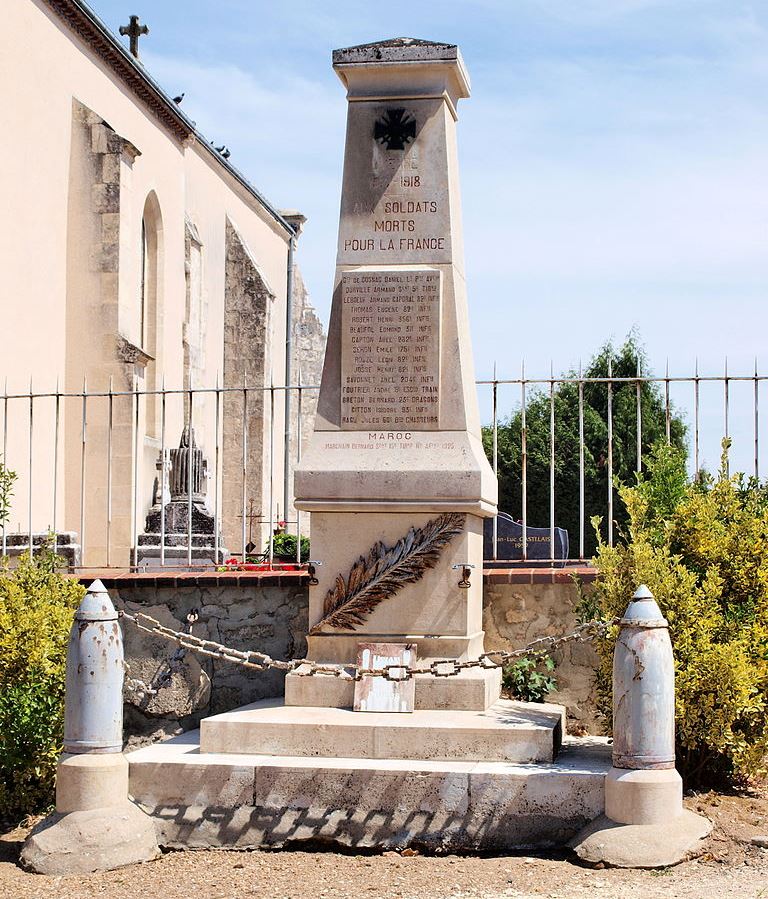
{"points": [[391, 732]]}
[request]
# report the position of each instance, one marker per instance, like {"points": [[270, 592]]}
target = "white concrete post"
{"points": [[96, 826], [93, 772], [93, 715], [643, 786], [645, 824]]}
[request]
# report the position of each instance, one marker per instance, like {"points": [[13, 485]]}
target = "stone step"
{"points": [[202, 800], [507, 731], [473, 690]]}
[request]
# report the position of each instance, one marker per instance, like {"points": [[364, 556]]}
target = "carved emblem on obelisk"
{"points": [[395, 129]]}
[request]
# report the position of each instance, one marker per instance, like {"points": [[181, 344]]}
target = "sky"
{"points": [[613, 159]]}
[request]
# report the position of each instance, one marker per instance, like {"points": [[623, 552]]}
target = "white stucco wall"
{"points": [[43, 68]]}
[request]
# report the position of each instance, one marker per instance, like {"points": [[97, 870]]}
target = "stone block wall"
{"points": [[269, 614], [260, 615], [515, 614]]}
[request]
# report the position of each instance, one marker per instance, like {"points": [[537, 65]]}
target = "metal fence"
{"points": [[76, 468], [85, 458], [685, 414]]}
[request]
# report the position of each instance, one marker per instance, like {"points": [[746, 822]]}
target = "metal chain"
{"points": [[134, 685], [164, 677], [260, 661]]}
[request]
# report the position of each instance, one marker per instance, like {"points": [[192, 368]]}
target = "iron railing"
{"points": [[704, 424], [73, 449]]}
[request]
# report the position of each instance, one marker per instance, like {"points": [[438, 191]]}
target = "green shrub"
{"points": [[7, 478], [702, 549], [284, 547], [37, 605], [525, 679]]}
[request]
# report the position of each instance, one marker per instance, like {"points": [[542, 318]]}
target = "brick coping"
{"points": [[565, 575], [113, 577]]}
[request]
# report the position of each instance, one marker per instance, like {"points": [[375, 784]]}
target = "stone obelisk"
{"points": [[397, 440], [394, 477]]}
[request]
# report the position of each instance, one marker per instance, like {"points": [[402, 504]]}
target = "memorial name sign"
{"points": [[390, 349], [509, 541]]}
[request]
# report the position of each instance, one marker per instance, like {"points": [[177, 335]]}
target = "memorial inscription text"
{"points": [[399, 210], [390, 349]]}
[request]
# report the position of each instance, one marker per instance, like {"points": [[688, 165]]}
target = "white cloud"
{"points": [[613, 156]]}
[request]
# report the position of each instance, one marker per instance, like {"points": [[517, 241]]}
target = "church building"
{"points": [[141, 271]]}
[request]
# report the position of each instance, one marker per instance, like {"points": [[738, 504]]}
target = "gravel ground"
{"points": [[729, 866]]}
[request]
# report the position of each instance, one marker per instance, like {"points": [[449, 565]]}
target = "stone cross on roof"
{"points": [[134, 31]]}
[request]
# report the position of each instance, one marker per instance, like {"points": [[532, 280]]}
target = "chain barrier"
{"points": [[135, 685], [163, 677], [259, 661]]}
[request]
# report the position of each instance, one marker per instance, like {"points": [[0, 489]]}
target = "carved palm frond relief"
{"points": [[384, 570]]}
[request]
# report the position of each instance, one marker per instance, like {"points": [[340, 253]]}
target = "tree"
{"points": [[628, 361]]}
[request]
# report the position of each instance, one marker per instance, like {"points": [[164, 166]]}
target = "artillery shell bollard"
{"points": [[645, 824], [95, 825]]}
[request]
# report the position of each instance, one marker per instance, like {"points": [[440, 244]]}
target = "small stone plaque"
{"points": [[509, 541], [377, 694], [390, 350]]}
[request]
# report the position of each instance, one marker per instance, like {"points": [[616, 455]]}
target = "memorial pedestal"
{"points": [[396, 445], [398, 486], [235, 800]]}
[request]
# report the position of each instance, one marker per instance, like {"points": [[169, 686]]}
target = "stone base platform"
{"points": [[471, 690], [508, 731], [207, 800]]}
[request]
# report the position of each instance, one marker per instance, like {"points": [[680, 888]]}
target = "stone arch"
{"points": [[151, 269]]}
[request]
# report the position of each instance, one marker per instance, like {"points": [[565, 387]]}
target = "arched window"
{"points": [[150, 297], [151, 252], [143, 285]]}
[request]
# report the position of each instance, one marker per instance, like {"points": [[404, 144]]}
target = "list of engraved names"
{"points": [[390, 349]]}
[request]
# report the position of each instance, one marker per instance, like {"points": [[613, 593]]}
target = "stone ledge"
{"points": [[521, 575], [201, 800], [508, 731], [115, 577]]}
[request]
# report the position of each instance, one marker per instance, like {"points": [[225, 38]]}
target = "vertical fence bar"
{"points": [[757, 424], [244, 476], [524, 460], [5, 454], [56, 429], [726, 423], [110, 425], [190, 465], [610, 452], [582, 510], [298, 459], [638, 421], [163, 475], [271, 471], [31, 446], [216, 512], [552, 460], [84, 438], [135, 516], [696, 418], [495, 458], [298, 418]]}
